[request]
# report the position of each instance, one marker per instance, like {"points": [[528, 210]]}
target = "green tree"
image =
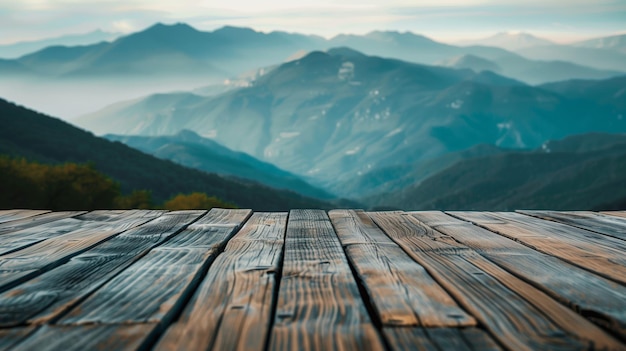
{"points": [[21, 184], [26, 184], [138, 199], [71, 186]]}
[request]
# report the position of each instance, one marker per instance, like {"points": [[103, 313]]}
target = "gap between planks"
{"points": [[175, 266], [44, 298], [598, 253], [518, 315], [46, 252], [414, 311], [596, 298]]}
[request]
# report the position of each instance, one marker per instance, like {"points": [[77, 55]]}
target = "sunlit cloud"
{"points": [[123, 26]]}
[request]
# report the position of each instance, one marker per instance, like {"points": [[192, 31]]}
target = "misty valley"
{"points": [[276, 120]]}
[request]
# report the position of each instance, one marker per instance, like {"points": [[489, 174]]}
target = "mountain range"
{"points": [[529, 71], [169, 50], [337, 115], [182, 50], [189, 149], [614, 42], [509, 40], [601, 53], [390, 119], [168, 58], [34, 136], [15, 50], [577, 173], [598, 58]]}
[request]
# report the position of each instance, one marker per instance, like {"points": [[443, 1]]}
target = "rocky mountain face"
{"points": [[334, 116]]}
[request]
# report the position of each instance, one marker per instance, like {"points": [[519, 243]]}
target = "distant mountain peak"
{"points": [[615, 42], [186, 133], [344, 51], [315, 55], [179, 27], [233, 30], [161, 30], [511, 40], [473, 62], [397, 36]]}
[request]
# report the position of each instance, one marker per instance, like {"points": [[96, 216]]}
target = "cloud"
{"points": [[123, 26]]}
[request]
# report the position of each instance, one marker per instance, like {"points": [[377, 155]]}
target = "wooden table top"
{"points": [[312, 280]]}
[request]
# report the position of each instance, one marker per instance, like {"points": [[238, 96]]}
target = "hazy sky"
{"points": [[448, 20]]}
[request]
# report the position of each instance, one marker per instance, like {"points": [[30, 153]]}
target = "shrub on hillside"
{"points": [[195, 201]]}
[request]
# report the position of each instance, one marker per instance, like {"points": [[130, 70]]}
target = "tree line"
{"points": [[72, 186]]}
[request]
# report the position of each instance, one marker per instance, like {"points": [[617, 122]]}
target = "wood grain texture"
{"points": [[19, 266], [435, 339], [21, 239], [30, 222], [403, 293], [232, 308], [607, 225], [598, 253], [319, 305], [14, 215], [114, 215], [10, 337], [596, 298], [48, 296], [86, 337], [615, 213], [173, 267], [518, 315], [306, 281], [131, 297], [121, 220]]}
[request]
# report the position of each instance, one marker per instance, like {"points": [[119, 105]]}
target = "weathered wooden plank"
{"points": [[607, 225], [10, 337], [21, 239], [403, 293], [14, 215], [596, 298], [8, 212], [319, 306], [30, 222], [615, 213], [174, 267], [114, 215], [144, 292], [476, 338], [598, 253], [435, 339], [86, 337], [46, 297], [231, 309], [518, 315], [408, 338], [18, 240], [19, 266]]}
